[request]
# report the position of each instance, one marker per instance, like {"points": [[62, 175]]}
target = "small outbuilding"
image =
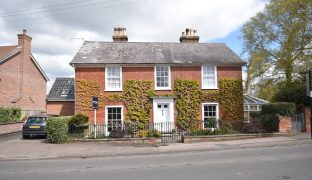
{"points": [[61, 98], [252, 104]]}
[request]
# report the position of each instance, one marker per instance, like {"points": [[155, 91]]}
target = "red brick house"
{"points": [[111, 64], [61, 98], [22, 80]]}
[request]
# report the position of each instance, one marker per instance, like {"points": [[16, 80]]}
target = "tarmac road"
{"points": [[261, 163]]}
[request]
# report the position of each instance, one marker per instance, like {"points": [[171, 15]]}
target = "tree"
{"points": [[294, 92], [278, 42]]}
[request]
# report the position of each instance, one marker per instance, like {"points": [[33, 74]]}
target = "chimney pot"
{"points": [[190, 35], [120, 34]]}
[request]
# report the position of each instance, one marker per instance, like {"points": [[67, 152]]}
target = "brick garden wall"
{"points": [[285, 124], [307, 113]]}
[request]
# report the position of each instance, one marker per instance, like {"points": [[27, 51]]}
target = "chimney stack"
{"points": [[120, 35], [189, 36], [24, 39]]}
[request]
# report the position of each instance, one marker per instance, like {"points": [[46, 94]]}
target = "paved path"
{"points": [[17, 148]]}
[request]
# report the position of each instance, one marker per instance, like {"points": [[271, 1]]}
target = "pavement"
{"points": [[16, 148]]}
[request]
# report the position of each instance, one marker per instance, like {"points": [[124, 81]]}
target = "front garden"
{"points": [[64, 129]]}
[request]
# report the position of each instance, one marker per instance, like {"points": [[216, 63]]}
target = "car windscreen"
{"points": [[36, 120]]}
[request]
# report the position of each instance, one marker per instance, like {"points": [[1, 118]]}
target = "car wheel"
{"points": [[25, 136]]}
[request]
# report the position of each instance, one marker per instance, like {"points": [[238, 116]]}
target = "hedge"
{"points": [[10, 114], [78, 119], [269, 122], [57, 129], [282, 108]]}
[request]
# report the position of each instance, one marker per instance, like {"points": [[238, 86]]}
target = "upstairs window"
{"points": [[162, 78], [209, 77], [113, 79]]}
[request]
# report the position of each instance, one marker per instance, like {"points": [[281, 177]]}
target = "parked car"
{"points": [[34, 126]]}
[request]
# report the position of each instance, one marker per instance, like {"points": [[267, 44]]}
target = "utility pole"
{"points": [[310, 95]]}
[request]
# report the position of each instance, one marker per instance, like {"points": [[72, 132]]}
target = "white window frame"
{"points": [[215, 76], [106, 86], [217, 112], [106, 117], [169, 79]]}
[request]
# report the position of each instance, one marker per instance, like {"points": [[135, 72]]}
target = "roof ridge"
{"points": [[88, 41]]}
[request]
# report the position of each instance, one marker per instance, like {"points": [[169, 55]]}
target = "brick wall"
{"points": [[22, 81], [147, 73], [9, 81], [61, 108], [307, 114], [285, 124]]}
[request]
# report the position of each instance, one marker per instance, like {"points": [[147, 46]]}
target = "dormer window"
{"points": [[162, 78], [65, 93]]}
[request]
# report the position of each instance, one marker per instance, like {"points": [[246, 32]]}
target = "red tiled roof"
{"points": [[6, 49]]}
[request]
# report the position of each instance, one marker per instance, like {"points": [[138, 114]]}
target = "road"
{"points": [[261, 163]]}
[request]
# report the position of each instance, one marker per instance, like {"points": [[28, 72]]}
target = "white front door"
{"points": [[162, 113], [163, 110]]}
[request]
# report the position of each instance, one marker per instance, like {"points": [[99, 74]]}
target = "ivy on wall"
{"points": [[136, 97], [231, 99], [84, 92], [188, 99]]}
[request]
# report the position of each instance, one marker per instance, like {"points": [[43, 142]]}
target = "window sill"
{"points": [[212, 88], [113, 90], [163, 89]]}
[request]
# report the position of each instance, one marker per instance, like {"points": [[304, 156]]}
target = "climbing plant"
{"points": [[188, 98], [136, 96], [85, 89], [231, 99]]}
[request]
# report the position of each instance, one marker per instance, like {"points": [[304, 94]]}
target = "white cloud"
{"points": [[151, 20]]}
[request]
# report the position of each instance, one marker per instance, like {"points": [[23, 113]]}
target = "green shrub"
{"points": [[269, 122], [153, 133], [57, 129], [10, 114], [282, 108], [210, 123], [117, 133], [79, 119]]}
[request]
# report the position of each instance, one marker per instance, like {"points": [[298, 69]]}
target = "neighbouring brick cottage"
{"points": [[61, 98], [181, 83], [22, 80]]}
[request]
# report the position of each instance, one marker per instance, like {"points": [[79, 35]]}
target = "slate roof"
{"points": [[248, 99], [63, 89], [96, 52]]}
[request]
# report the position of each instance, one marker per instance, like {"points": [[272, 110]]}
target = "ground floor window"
{"points": [[210, 115], [114, 118]]}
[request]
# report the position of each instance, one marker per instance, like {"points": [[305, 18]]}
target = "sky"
{"points": [[59, 27]]}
